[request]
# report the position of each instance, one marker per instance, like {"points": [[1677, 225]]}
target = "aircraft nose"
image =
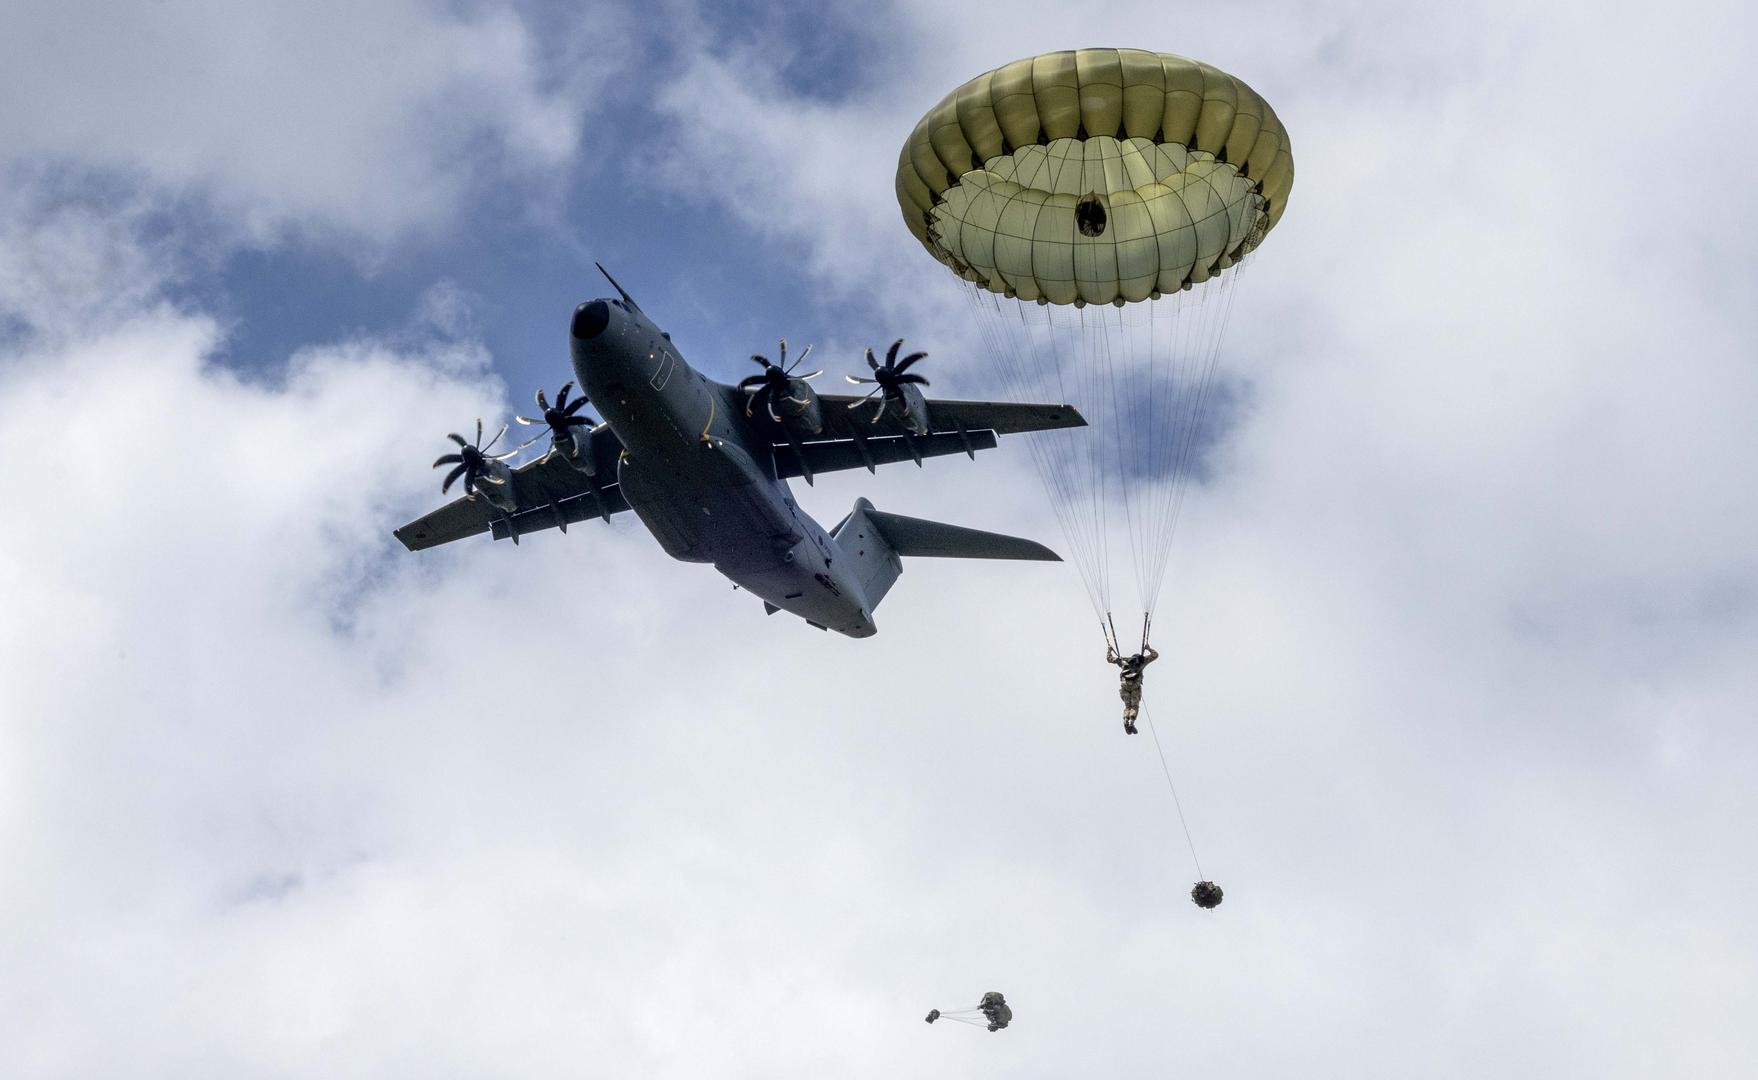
{"points": [[590, 319]]}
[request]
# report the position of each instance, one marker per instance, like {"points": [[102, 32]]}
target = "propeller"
{"points": [[559, 420], [472, 461], [888, 380], [775, 381]]}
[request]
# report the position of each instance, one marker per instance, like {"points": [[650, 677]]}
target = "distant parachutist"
{"points": [[993, 1009], [1206, 894]]}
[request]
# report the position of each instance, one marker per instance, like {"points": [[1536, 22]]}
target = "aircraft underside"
{"points": [[705, 466]]}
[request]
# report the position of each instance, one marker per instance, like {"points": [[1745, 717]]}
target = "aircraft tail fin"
{"points": [[875, 541]]}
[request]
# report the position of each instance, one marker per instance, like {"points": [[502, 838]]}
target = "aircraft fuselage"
{"points": [[701, 477]]}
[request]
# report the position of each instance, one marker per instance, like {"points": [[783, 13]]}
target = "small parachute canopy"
{"points": [[996, 1011], [991, 1011]]}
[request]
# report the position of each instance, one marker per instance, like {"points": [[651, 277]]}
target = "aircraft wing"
{"points": [[553, 493], [949, 417], [850, 440]]}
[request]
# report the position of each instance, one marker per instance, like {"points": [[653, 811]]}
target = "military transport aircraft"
{"points": [[705, 467]]}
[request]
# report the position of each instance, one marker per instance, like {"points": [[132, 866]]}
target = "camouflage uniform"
{"points": [[1129, 681]]}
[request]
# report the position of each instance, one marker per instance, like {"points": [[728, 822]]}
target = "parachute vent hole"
{"points": [[1089, 216]]}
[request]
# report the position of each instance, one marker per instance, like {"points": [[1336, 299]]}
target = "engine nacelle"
{"points": [[578, 450], [501, 495], [914, 415], [801, 420]]}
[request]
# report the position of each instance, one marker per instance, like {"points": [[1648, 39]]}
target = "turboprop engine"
{"points": [[483, 474], [570, 435], [895, 390], [784, 396]]}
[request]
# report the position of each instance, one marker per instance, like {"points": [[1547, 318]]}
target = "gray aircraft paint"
{"points": [[710, 483]]}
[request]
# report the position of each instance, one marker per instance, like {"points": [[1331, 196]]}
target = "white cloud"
{"points": [[1458, 684], [335, 119], [65, 265]]}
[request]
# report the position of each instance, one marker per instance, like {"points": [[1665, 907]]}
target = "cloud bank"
{"points": [[1458, 686]]}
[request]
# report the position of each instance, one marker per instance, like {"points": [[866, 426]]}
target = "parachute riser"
{"points": [[1114, 643]]}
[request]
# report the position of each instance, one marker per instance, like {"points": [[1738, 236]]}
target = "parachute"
{"points": [[993, 1010], [1099, 206]]}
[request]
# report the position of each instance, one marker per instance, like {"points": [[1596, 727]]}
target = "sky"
{"points": [[1458, 680]]}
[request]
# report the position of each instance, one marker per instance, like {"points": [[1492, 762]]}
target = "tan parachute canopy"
{"points": [[1095, 176]]}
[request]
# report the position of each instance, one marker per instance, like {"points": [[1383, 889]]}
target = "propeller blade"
{"points": [[497, 438], [858, 381], [809, 378], [527, 420], [800, 359], [891, 353], [489, 478], [457, 438], [542, 402], [752, 380], [449, 459], [880, 411], [770, 405], [547, 454], [581, 421], [451, 476], [561, 399], [913, 379], [910, 359], [872, 363], [533, 439], [479, 433], [514, 452], [764, 360], [579, 403], [801, 402]]}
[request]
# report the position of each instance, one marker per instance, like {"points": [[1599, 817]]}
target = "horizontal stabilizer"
{"points": [[933, 539], [873, 543]]}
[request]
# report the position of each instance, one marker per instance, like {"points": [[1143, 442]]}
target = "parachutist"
{"points": [[1129, 680]]}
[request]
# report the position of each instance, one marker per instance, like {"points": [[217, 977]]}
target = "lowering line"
{"points": [[1173, 788]]}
